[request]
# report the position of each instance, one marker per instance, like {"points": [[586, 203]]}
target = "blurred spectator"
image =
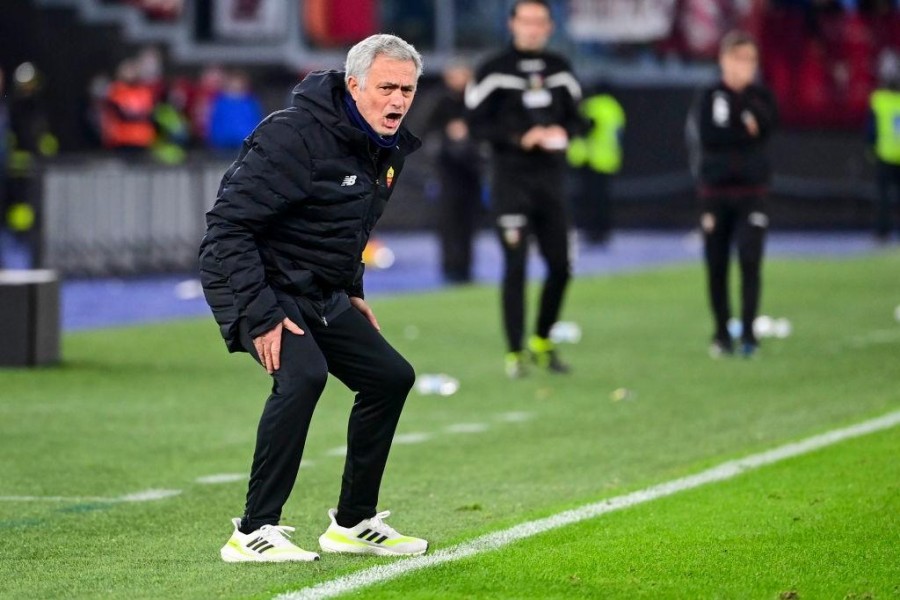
{"points": [[92, 110], [4, 158], [32, 140], [459, 176], [200, 103], [597, 157], [127, 121], [150, 71], [523, 101], [28, 114], [234, 113], [172, 127], [728, 130], [885, 128]]}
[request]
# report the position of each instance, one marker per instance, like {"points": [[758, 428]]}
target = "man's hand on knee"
{"points": [[363, 307], [268, 345]]}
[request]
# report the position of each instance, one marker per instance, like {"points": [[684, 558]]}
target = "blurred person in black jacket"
{"points": [[728, 129], [524, 102], [4, 158], [459, 175], [281, 268], [32, 142]]}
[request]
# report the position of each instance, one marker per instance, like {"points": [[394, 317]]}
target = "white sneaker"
{"points": [[269, 543], [371, 536]]}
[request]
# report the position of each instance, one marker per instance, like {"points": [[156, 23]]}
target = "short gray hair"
{"points": [[362, 55]]}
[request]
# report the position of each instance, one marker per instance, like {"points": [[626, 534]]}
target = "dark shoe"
{"points": [[543, 352], [515, 365], [721, 348], [749, 348]]}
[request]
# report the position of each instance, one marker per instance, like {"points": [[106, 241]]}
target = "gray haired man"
{"points": [[282, 272]]}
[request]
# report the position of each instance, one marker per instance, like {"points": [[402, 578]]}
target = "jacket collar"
{"points": [[321, 94]]}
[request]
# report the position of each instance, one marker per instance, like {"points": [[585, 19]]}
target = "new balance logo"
{"points": [[370, 536], [348, 180], [259, 545]]}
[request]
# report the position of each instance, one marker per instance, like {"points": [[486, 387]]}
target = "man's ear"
{"points": [[353, 87]]}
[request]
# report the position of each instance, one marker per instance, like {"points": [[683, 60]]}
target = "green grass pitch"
{"points": [[157, 407]]}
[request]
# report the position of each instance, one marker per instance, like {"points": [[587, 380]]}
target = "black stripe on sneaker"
{"points": [[259, 545], [373, 536], [249, 544], [381, 539], [364, 533], [264, 548]]}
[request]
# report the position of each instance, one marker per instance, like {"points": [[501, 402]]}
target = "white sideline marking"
{"points": [[148, 495], [143, 496], [412, 438], [221, 478], [492, 541], [467, 428], [515, 417], [339, 451]]}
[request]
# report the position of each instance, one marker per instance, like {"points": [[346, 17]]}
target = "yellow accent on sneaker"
{"points": [[370, 536], [537, 344], [269, 543]]}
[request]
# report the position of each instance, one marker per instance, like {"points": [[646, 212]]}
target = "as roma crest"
{"points": [[389, 178]]}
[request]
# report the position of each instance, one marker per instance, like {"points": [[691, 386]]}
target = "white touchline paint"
{"points": [[467, 428], [143, 496], [221, 478], [56, 499], [339, 451], [412, 438], [148, 495], [515, 416], [492, 541]]}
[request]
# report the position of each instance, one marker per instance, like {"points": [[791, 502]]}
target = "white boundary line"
{"points": [[142, 496], [492, 541]]}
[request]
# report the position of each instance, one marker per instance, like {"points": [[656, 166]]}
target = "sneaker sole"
{"points": [[231, 556], [332, 548]]}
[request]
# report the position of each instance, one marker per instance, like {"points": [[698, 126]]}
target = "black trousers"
{"points": [[530, 204], [888, 195], [593, 204], [459, 213], [738, 221], [353, 351]]}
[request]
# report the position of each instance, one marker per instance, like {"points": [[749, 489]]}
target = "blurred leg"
{"points": [[717, 228], [551, 229], [750, 236]]}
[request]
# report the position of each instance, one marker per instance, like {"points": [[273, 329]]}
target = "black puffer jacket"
{"points": [[725, 154], [295, 210]]}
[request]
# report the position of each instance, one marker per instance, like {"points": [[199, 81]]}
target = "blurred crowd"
{"points": [[140, 110]]}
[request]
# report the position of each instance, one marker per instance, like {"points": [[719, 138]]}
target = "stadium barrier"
{"points": [[111, 217]]}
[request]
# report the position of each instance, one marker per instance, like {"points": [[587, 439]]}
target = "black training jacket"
{"points": [[512, 92], [724, 153], [294, 211]]}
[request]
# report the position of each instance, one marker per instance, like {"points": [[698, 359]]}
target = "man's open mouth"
{"points": [[393, 119]]}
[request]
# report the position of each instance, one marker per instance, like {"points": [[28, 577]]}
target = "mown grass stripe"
{"points": [[492, 541]]}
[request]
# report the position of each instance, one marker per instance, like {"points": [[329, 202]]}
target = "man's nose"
{"points": [[397, 99]]}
